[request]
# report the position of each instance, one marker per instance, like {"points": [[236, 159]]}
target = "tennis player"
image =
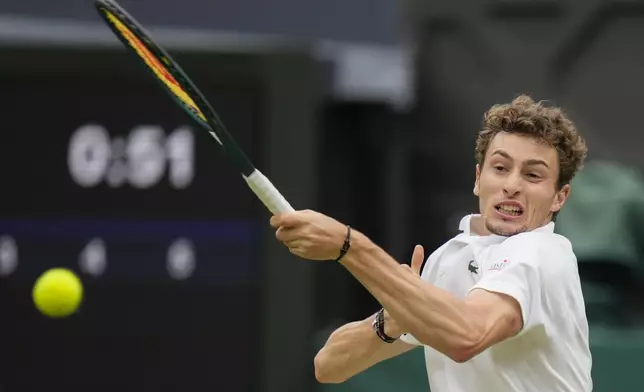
{"points": [[499, 307]]}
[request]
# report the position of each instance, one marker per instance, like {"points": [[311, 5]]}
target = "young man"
{"points": [[497, 308]]}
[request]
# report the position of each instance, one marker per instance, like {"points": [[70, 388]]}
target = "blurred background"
{"points": [[364, 110]]}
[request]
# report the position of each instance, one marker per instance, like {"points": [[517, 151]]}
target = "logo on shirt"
{"points": [[498, 266], [473, 267]]}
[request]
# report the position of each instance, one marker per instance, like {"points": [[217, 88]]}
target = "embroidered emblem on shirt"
{"points": [[473, 267]]}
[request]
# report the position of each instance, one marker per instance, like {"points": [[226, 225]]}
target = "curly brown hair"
{"points": [[545, 123]]}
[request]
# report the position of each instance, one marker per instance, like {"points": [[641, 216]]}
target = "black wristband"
{"points": [[346, 245], [379, 327]]}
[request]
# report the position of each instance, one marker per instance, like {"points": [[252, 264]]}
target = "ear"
{"points": [[476, 182], [560, 198]]}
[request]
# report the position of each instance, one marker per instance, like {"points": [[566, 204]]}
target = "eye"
{"points": [[533, 176], [499, 168]]}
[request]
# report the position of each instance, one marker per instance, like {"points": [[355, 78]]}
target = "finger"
{"points": [[295, 248], [287, 219], [417, 258], [275, 221], [278, 220], [286, 234]]}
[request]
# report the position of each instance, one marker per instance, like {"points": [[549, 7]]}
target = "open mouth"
{"points": [[509, 209]]}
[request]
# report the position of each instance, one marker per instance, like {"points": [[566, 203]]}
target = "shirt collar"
{"points": [[466, 227]]}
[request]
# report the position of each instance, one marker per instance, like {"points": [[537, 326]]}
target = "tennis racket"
{"points": [[175, 81]]}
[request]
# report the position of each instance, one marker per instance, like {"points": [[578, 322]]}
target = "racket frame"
{"points": [[258, 182]]}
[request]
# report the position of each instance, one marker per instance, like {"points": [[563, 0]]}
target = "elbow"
{"points": [[477, 340], [462, 353], [324, 372], [459, 350], [467, 346]]}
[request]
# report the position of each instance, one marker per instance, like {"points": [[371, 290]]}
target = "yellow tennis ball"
{"points": [[58, 292]]}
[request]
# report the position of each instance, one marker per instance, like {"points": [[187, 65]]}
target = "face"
{"points": [[517, 184]]}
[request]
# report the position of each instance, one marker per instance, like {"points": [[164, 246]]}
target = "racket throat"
{"points": [[216, 138]]}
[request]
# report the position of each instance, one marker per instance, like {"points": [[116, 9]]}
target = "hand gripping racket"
{"points": [[175, 81]]}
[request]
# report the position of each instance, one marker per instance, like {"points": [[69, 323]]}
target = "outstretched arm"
{"points": [[459, 328]]}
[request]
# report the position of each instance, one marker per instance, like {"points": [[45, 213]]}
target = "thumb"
{"points": [[417, 259]]}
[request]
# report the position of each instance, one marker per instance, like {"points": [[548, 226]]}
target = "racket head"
{"points": [[162, 67]]}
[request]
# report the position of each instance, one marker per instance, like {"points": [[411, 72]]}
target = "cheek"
{"points": [[484, 181], [544, 202], [488, 185], [485, 193]]}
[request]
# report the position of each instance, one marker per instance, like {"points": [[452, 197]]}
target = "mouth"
{"points": [[509, 209]]}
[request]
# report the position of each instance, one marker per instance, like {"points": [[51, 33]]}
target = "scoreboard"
{"points": [[95, 166], [101, 173]]}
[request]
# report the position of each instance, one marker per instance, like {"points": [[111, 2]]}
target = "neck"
{"points": [[477, 226]]}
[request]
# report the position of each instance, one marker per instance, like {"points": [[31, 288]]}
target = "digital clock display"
{"points": [[103, 174]]}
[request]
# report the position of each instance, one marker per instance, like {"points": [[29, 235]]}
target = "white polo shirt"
{"points": [[539, 270]]}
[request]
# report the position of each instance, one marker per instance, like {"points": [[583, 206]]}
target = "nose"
{"points": [[513, 184]]}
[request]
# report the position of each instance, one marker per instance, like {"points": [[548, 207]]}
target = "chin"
{"points": [[504, 228]]}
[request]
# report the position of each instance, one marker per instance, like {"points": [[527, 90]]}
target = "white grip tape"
{"points": [[267, 193]]}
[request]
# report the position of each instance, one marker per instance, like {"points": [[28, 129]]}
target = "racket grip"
{"points": [[267, 193]]}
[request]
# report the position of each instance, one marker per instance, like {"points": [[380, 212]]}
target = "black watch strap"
{"points": [[378, 325]]}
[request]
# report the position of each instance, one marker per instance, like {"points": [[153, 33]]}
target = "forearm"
{"points": [[435, 317], [353, 348]]}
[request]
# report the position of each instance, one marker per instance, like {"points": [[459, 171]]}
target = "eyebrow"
{"points": [[529, 162]]}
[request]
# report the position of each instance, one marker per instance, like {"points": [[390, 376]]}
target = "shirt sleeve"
{"points": [[513, 269]]}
